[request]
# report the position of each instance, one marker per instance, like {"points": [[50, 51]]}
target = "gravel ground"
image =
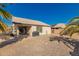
{"points": [[36, 46]]}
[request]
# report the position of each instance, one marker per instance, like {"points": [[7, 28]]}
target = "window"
{"points": [[39, 28]]}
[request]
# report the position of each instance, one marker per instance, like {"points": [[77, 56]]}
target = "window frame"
{"points": [[39, 29]]}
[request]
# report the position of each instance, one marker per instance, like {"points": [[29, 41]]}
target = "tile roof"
{"points": [[28, 21]]}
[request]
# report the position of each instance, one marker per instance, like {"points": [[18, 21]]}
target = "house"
{"points": [[30, 27], [56, 29]]}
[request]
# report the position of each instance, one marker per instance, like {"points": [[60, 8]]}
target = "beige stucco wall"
{"points": [[45, 30], [57, 31], [32, 29]]}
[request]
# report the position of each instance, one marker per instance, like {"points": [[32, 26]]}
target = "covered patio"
{"points": [[21, 29]]}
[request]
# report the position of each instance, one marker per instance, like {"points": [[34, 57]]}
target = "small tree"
{"points": [[72, 27], [4, 14]]}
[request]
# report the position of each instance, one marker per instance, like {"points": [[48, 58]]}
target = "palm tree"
{"points": [[4, 14], [72, 27]]}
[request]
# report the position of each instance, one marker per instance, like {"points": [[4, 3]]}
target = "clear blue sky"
{"points": [[51, 13]]}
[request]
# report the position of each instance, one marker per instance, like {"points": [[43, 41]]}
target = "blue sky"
{"points": [[50, 13]]}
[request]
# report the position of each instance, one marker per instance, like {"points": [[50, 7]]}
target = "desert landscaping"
{"points": [[43, 33], [39, 46]]}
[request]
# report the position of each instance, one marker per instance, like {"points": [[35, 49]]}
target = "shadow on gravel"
{"points": [[68, 42], [10, 41]]}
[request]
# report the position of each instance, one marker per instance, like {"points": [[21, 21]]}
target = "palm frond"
{"points": [[3, 5], [5, 14], [70, 30], [1, 27], [74, 21]]}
